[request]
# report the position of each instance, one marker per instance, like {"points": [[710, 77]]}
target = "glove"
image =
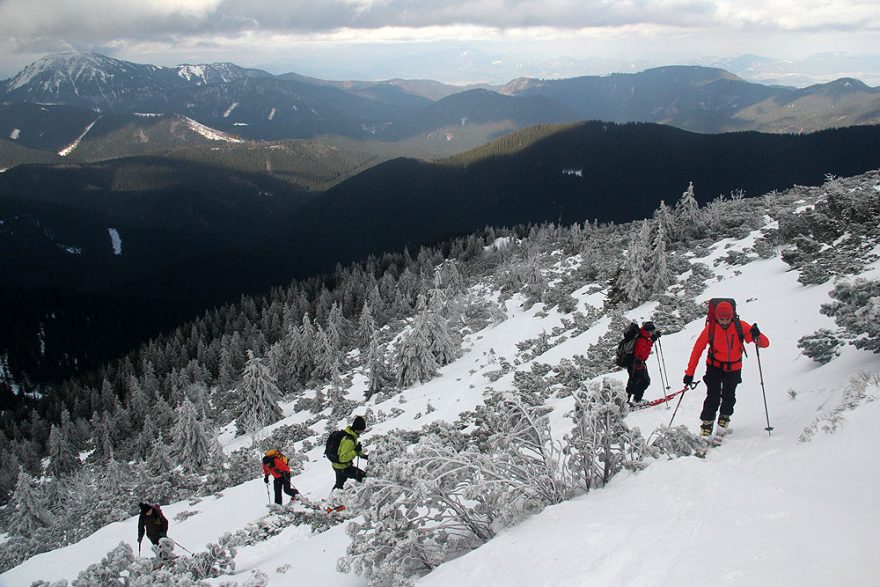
{"points": [[358, 447], [141, 539], [756, 332], [655, 336], [266, 479], [365, 457], [688, 379]]}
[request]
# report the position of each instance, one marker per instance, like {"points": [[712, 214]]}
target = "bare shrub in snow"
{"points": [[601, 444]]}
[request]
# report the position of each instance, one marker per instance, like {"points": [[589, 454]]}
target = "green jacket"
{"points": [[347, 451]]}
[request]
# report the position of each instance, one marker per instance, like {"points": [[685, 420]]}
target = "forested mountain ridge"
{"points": [[246, 232], [460, 356]]}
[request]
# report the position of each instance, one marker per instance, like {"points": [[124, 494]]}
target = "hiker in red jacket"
{"points": [[275, 463], [638, 369], [723, 363]]}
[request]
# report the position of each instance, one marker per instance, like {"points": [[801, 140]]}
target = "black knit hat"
{"points": [[145, 507], [648, 326], [359, 425]]}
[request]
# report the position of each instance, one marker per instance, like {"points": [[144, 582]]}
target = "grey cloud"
{"points": [[333, 14]]}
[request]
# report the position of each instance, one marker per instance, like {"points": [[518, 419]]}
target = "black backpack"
{"points": [[331, 451], [625, 347]]}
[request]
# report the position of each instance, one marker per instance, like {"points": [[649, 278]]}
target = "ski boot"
{"points": [[706, 428], [723, 425]]}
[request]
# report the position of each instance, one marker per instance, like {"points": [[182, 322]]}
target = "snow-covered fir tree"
{"points": [[689, 221], [193, 440], [63, 459], [415, 360], [637, 285], [259, 394], [28, 511]]}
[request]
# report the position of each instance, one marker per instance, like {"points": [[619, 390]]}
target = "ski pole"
{"points": [[664, 382], [663, 358], [763, 391], [180, 545], [268, 497], [139, 547], [687, 386]]}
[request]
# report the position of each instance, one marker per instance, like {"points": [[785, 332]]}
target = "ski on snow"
{"points": [[655, 402]]}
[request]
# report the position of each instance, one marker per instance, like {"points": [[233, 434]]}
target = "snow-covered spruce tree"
{"points": [[601, 444], [443, 343], [259, 397], [136, 402], [637, 280], [193, 440], [28, 511], [415, 360], [857, 311], [102, 441], [689, 221], [63, 459], [661, 276], [156, 479], [366, 326], [306, 358], [337, 328], [374, 364]]}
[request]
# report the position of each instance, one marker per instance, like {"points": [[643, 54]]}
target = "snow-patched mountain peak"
{"points": [[52, 72], [84, 78], [213, 73], [101, 82]]}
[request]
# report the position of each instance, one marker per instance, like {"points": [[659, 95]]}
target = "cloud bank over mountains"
{"points": [[282, 35]]}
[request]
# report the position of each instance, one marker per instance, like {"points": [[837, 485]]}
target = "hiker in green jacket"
{"points": [[349, 448]]}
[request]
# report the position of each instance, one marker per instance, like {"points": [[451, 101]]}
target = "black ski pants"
{"points": [[283, 483], [638, 382], [720, 390], [350, 472]]}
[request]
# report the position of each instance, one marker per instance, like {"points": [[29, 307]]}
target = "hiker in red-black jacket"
{"points": [[638, 369], [153, 522], [275, 463], [723, 364]]}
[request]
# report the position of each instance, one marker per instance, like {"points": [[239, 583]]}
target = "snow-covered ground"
{"points": [[760, 510]]}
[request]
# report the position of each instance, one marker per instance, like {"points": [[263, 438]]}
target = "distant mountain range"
{"points": [[251, 104]]}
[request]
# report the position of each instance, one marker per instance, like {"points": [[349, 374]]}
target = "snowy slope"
{"points": [[759, 510]]}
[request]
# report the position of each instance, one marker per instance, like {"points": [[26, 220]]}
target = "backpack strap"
{"points": [[737, 325]]}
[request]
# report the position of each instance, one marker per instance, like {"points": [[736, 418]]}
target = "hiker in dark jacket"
{"points": [[153, 522], [638, 370], [349, 448]]}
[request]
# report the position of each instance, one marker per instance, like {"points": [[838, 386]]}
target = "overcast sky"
{"points": [[382, 35]]}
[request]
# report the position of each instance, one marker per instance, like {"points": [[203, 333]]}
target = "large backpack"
{"points": [[710, 324], [331, 450], [270, 456], [625, 347]]}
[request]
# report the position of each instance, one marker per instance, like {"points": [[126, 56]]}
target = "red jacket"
{"points": [[727, 347], [642, 349], [279, 467]]}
